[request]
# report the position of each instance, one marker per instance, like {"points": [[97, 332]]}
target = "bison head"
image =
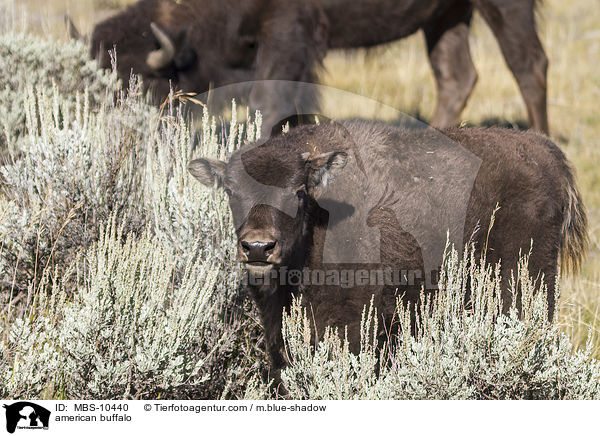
{"points": [[185, 45], [273, 190], [160, 58]]}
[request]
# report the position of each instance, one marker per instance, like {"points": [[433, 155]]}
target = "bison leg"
{"points": [[292, 43], [448, 47], [513, 24]]}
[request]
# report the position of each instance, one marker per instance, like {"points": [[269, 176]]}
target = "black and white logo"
{"points": [[26, 415]]}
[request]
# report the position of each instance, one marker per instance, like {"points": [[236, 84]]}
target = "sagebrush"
{"points": [[461, 350]]}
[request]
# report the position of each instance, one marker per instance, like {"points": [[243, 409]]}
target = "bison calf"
{"points": [[338, 213]]}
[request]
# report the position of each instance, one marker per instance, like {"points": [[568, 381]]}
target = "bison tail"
{"points": [[574, 233]]}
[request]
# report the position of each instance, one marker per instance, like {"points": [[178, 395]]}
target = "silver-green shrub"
{"points": [[81, 163], [459, 351], [127, 333], [113, 283], [74, 168], [26, 60]]}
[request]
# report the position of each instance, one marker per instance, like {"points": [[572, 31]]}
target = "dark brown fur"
{"points": [[524, 173], [228, 41]]}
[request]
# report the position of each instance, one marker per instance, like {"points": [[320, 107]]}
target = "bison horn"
{"points": [[162, 57], [72, 29]]}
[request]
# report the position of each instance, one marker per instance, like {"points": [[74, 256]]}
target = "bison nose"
{"points": [[258, 251]]}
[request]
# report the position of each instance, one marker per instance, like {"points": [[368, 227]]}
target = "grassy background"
{"points": [[399, 75]]}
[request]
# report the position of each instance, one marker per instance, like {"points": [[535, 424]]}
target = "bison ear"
{"points": [[324, 168], [185, 59], [209, 172]]}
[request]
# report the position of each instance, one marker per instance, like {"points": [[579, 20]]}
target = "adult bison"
{"points": [[193, 44], [411, 188]]}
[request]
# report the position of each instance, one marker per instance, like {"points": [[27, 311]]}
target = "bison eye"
{"points": [[228, 192]]}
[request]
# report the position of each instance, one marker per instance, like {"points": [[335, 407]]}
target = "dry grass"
{"points": [[399, 75], [46, 17]]}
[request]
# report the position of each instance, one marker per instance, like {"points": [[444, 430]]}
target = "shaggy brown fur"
{"points": [[229, 41], [388, 168]]}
